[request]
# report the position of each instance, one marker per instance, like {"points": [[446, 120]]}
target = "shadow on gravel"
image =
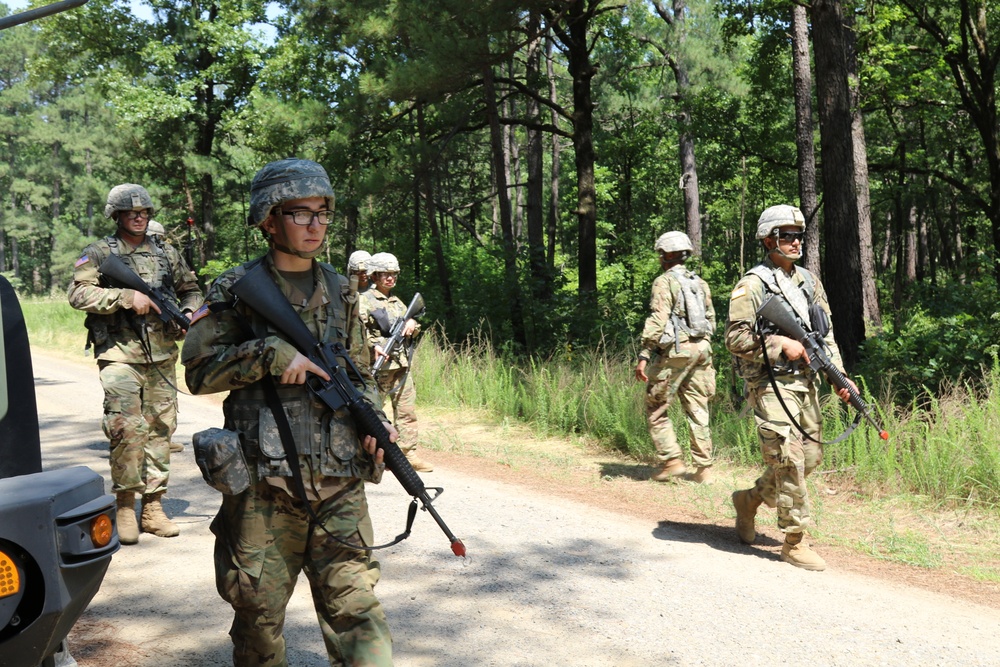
{"points": [[631, 471], [722, 538]]}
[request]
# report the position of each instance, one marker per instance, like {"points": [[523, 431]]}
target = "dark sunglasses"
{"points": [[791, 236]]}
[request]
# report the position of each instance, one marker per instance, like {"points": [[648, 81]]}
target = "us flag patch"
{"points": [[200, 313], [80, 262]]}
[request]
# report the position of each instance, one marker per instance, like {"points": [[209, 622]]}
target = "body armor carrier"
{"points": [[157, 273], [783, 366], [327, 442], [689, 313]]}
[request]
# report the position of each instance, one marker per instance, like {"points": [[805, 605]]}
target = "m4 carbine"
{"points": [[115, 269], [776, 311], [415, 310], [260, 293]]}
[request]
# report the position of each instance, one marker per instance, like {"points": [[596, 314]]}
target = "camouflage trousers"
{"points": [[789, 456], [264, 538], [140, 415], [689, 376], [404, 405]]}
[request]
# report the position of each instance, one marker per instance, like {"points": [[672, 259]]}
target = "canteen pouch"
{"points": [[219, 456]]}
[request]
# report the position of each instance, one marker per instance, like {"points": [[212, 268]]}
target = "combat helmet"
{"points": [[282, 180], [674, 242], [358, 261], [155, 229], [128, 197], [779, 216], [382, 261]]}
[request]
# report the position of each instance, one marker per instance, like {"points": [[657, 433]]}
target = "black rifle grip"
{"points": [[370, 423]]}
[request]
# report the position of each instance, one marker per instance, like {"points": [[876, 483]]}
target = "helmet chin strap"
{"points": [[312, 254], [777, 249]]}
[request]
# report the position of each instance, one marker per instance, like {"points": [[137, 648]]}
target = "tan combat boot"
{"points": [[797, 553], [702, 476], [418, 463], [670, 470], [176, 447], [746, 504], [154, 520], [128, 528]]}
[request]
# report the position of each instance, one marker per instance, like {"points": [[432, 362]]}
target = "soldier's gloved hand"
{"points": [[297, 370], [142, 304]]}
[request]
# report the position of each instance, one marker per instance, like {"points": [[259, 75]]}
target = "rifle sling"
{"points": [[777, 392]]}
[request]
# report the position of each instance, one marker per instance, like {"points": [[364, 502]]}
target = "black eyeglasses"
{"points": [[791, 236], [129, 216], [304, 217]]}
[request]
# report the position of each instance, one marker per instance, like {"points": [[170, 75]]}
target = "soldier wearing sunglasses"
{"points": [[789, 455]]}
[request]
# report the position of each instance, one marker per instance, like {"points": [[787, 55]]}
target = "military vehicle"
{"points": [[57, 528]]}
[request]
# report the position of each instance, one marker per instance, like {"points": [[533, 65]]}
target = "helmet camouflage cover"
{"points": [[282, 180], [358, 261], [382, 261], [779, 216], [155, 229], [674, 242], [127, 197]]}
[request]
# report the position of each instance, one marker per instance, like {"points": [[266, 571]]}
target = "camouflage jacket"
{"points": [[231, 348], [111, 323], [663, 304], [743, 341], [378, 325]]}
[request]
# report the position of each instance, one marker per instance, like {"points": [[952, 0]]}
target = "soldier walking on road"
{"points": [[379, 310], [793, 395], [677, 350], [136, 354], [267, 534]]}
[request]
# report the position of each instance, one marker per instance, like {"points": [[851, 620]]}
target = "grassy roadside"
{"points": [[472, 413]]}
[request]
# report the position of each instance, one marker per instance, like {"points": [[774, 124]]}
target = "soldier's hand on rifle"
{"points": [[371, 444], [379, 352], [793, 349], [844, 394], [640, 371], [296, 372], [142, 304], [409, 327]]}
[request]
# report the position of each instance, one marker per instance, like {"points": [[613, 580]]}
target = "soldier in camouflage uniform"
{"points": [[357, 265], [136, 354], [676, 346], [789, 456], [379, 310], [265, 535]]}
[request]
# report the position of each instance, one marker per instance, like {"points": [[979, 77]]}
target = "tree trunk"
{"points": [[553, 221], [802, 78], [689, 167], [506, 223], [869, 289], [534, 213], [437, 241], [842, 260], [582, 71]]}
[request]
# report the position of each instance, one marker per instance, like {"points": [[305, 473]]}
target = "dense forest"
{"points": [[521, 157]]}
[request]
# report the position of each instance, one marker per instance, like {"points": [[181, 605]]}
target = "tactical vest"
{"points": [[103, 329], [808, 287], [692, 305], [326, 441]]}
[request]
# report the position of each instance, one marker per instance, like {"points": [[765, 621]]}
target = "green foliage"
{"points": [[950, 333]]}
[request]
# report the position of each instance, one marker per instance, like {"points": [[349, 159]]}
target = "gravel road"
{"points": [[548, 581]]}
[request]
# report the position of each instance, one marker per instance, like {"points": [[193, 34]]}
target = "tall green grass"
{"points": [[944, 448], [946, 451]]}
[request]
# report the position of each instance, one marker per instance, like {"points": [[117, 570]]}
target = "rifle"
{"points": [[778, 313], [415, 309], [116, 270], [262, 295]]}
